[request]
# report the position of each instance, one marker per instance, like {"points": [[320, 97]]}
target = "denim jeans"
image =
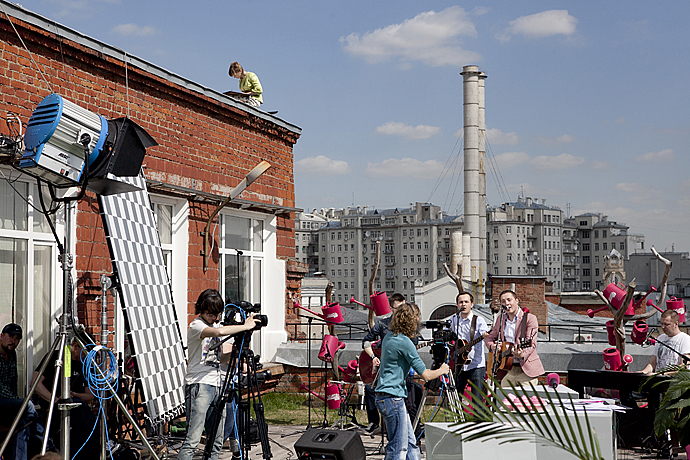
{"points": [[475, 376], [28, 430], [199, 399], [401, 440]]}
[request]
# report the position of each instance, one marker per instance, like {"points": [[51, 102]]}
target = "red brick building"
{"points": [[207, 142]]}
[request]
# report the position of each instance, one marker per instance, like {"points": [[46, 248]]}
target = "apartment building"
{"points": [[596, 237], [415, 242], [528, 237], [525, 239]]}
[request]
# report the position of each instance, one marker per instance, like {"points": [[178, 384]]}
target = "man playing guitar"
{"points": [[470, 364], [513, 326]]}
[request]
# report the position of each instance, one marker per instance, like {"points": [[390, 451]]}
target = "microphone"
{"points": [[651, 340], [553, 379]]}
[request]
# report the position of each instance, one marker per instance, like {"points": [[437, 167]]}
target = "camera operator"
{"points": [[203, 379], [467, 326], [397, 356]]}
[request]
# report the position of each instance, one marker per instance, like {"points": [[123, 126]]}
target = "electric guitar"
{"points": [[502, 360], [464, 348], [367, 371]]}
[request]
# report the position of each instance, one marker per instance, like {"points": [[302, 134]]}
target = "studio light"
{"points": [[61, 136]]}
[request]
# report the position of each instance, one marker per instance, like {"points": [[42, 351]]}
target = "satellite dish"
{"points": [[367, 233]]}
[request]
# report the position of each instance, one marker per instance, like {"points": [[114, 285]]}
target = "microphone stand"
{"points": [[652, 341]]}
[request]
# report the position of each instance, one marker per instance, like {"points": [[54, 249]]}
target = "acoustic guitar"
{"points": [[464, 348], [367, 371], [504, 358]]}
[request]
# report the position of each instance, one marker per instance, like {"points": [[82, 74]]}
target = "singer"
{"points": [[519, 329], [674, 339], [398, 354]]}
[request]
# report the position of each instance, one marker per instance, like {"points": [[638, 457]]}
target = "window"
{"points": [[419, 245], [426, 232], [495, 229], [426, 257], [583, 223], [509, 244], [508, 230], [596, 272], [586, 272], [426, 271], [605, 246], [405, 246], [596, 246], [404, 259], [404, 284], [419, 258], [340, 260], [419, 272], [247, 235], [426, 245], [596, 233], [495, 244], [28, 266], [405, 231], [621, 245], [404, 271], [585, 246], [509, 270], [333, 260], [603, 233], [585, 259], [495, 257], [585, 233], [419, 232], [509, 257]]}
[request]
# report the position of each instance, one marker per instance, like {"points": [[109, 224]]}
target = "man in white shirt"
{"points": [[664, 356], [467, 326]]}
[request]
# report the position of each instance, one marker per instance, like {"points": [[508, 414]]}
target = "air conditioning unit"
{"points": [[582, 338]]}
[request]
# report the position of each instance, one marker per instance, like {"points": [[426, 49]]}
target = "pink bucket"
{"points": [[678, 306], [332, 313], [333, 396], [350, 373], [612, 359], [379, 303], [329, 346], [611, 333], [639, 332], [615, 295]]}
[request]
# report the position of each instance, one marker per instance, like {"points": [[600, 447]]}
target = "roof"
{"points": [[51, 26]]}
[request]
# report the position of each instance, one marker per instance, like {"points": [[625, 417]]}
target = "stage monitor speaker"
{"points": [[329, 444]]}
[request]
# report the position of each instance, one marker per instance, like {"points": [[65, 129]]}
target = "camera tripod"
{"points": [[242, 361], [450, 397]]}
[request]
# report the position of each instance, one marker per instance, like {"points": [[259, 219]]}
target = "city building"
{"points": [[596, 237], [415, 242], [525, 239], [528, 237]]}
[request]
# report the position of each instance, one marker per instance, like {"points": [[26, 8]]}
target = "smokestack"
{"points": [[470, 80], [455, 252], [482, 182], [466, 263]]}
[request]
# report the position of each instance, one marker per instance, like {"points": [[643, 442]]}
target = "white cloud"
{"points": [[429, 37], [562, 161], [132, 29], [510, 159], [628, 187], [544, 24], [322, 165], [405, 167], [553, 141], [599, 165], [393, 128], [497, 137], [663, 155]]}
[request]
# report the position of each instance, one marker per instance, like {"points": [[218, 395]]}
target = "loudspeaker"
{"points": [[328, 444]]}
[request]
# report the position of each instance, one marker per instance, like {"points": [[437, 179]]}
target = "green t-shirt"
{"points": [[250, 82], [398, 355]]}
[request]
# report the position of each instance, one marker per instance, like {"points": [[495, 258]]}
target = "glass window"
{"points": [[241, 275]]}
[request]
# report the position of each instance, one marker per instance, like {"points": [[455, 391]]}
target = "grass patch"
{"points": [[291, 409]]}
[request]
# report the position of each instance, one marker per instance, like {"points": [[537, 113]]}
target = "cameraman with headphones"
{"points": [[203, 380]]}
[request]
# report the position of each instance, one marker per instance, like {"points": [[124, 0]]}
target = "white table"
{"points": [[443, 444]]}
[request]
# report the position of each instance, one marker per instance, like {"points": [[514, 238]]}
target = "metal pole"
{"points": [[65, 322], [105, 285]]}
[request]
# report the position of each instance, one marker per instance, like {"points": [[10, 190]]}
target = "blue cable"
{"points": [[100, 382]]}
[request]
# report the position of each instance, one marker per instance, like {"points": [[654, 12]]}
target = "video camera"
{"points": [[441, 336], [235, 314]]}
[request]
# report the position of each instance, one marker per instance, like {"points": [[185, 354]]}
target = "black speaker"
{"points": [[329, 444]]}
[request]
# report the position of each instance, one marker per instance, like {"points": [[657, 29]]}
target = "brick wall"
{"points": [[204, 144], [530, 291]]}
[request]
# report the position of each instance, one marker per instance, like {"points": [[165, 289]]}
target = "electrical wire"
{"points": [[101, 380]]}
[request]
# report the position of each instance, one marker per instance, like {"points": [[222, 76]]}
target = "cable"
{"points": [[25, 48], [102, 382]]}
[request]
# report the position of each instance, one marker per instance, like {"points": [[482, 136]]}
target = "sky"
{"points": [[587, 104]]}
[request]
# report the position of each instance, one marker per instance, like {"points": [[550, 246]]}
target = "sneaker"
{"points": [[371, 427]]}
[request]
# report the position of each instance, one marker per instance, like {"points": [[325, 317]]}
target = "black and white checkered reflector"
{"points": [[146, 299]]}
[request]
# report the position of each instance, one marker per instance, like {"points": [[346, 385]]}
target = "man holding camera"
{"points": [[203, 379], [468, 327]]}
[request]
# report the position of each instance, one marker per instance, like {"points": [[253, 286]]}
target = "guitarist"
{"points": [[513, 326], [468, 326]]}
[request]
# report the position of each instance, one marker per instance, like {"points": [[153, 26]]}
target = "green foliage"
{"points": [[493, 419], [674, 412]]}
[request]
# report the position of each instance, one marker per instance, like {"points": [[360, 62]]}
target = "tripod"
{"points": [[242, 358]]}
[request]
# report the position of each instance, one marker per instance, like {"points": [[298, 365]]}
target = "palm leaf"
{"points": [[493, 419]]}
